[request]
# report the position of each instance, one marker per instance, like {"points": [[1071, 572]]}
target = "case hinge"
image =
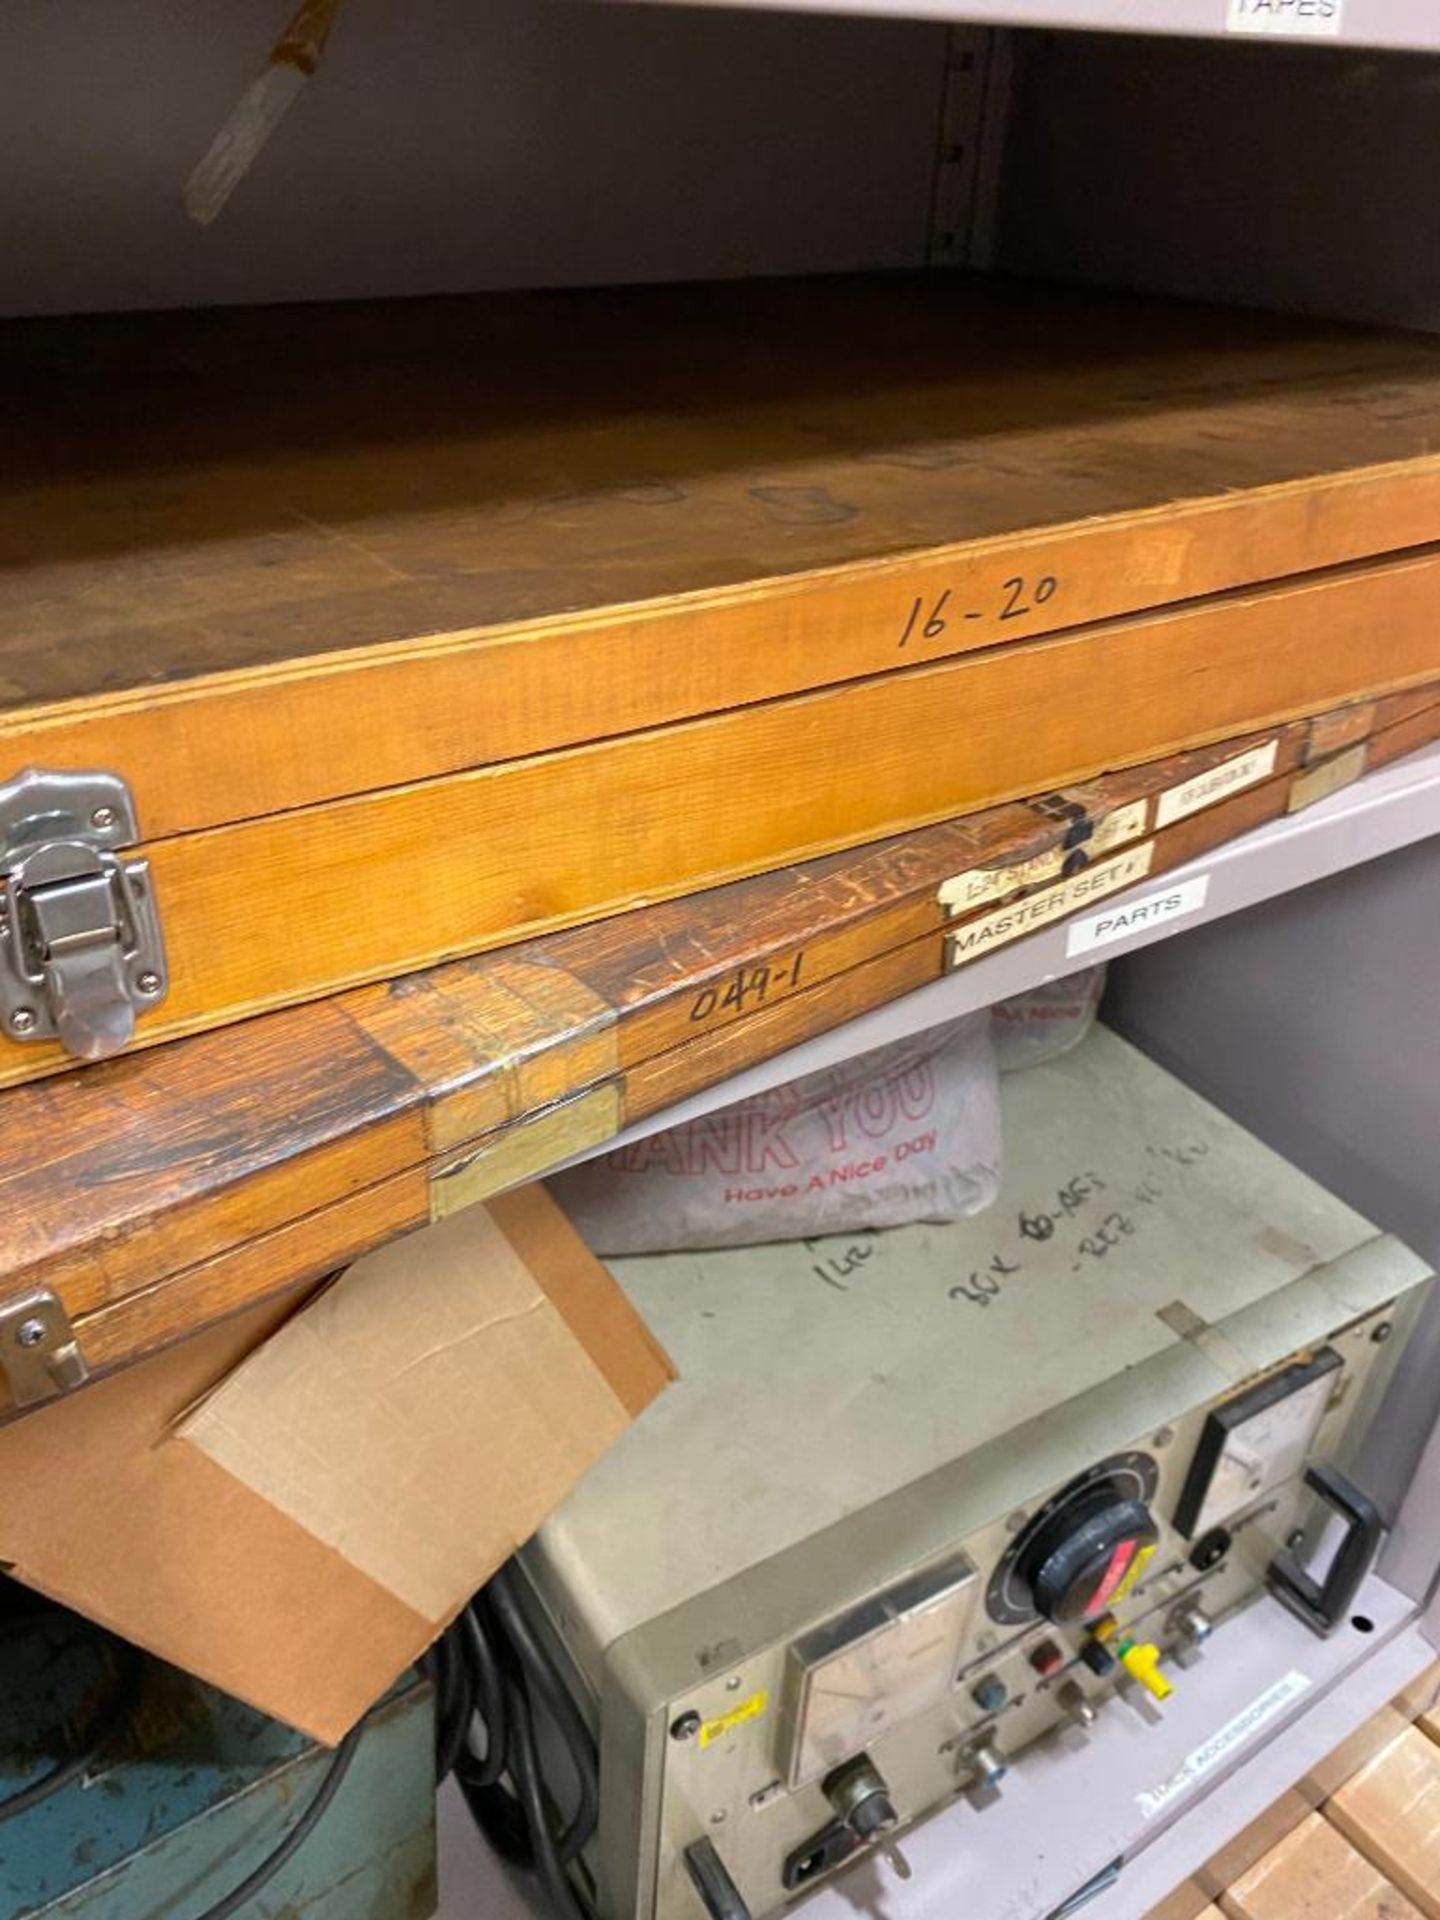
{"points": [[81, 951], [39, 1355]]}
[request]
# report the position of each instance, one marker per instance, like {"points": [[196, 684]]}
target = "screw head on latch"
{"points": [[22, 1020], [103, 818], [148, 982], [29, 1333]]}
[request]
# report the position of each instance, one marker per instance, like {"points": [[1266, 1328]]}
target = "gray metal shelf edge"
{"points": [[1387, 810], [1412, 25]]}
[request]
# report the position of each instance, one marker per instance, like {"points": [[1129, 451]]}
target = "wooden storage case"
{"points": [[151, 1196], [392, 632]]}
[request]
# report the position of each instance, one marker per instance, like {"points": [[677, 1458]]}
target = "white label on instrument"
{"points": [[973, 889], [1150, 910], [1231, 776], [1039, 909], [1220, 1745], [1303, 19]]}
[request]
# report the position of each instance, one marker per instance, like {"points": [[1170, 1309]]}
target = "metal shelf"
{"points": [[1403, 24], [1387, 810]]}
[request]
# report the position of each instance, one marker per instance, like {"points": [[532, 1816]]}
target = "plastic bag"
{"points": [[908, 1132], [1046, 1021]]}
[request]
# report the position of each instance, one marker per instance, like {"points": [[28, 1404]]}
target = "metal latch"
{"points": [[80, 946], [38, 1352]]}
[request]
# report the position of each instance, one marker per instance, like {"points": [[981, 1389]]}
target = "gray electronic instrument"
{"points": [[905, 1514]]}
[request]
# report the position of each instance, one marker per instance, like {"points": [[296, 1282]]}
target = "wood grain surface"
{"points": [[260, 560], [158, 1192], [1315, 1874], [270, 912], [1390, 1811], [1297, 1863]]}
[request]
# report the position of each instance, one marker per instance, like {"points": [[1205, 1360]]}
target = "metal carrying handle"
{"points": [[1324, 1604]]}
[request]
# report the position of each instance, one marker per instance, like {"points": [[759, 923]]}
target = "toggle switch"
{"points": [[1072, 1702], [985, 1764], [1192, 1624], [1141, 1660]]}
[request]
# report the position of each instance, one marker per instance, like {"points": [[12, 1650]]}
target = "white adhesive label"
{"points": [[973, 889], [1301, 19], [1039, 909], [1118, 827], [1220, 1745], [1231, 776], [1150, 910]]}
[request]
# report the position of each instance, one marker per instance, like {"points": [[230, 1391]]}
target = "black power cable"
{"points": [[489, 1669], [525, 1766], [508, 1671], [490, 1701], [559, 1703], [112, 1716], [265, 1872]]}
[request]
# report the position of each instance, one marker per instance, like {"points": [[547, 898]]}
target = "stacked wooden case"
{"points": [[342, 647]]}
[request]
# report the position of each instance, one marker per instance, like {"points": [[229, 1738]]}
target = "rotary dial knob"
{"points": [[1081, 1551], [1079, 1561]]}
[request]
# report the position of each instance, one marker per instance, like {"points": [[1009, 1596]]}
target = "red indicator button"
{"points": [[1046, 1659]]}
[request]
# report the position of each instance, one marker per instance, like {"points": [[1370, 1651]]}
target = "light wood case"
{"points": [[418, 628], [157, 1193]]}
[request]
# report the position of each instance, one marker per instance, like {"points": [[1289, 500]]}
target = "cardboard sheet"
{"points": [[293, 1504]]}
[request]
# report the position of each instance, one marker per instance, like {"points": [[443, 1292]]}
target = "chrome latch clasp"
{"points": [[39, 1354], [81, 952]]}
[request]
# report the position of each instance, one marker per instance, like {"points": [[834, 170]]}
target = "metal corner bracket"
{"points": [[81, 952], [39, 1355]]}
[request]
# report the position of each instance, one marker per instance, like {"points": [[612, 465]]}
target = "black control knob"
{"points": [[1079, 1557], [1078, 1553]]}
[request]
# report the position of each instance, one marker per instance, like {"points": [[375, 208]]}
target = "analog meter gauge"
{"points": [[852, 1679], [1255, 1443]]}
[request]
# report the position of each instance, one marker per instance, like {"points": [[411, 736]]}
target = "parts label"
{"points": [[1150, 910]]}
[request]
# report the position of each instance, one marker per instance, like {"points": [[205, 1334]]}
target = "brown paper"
{"points": [[422, 1417]]}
